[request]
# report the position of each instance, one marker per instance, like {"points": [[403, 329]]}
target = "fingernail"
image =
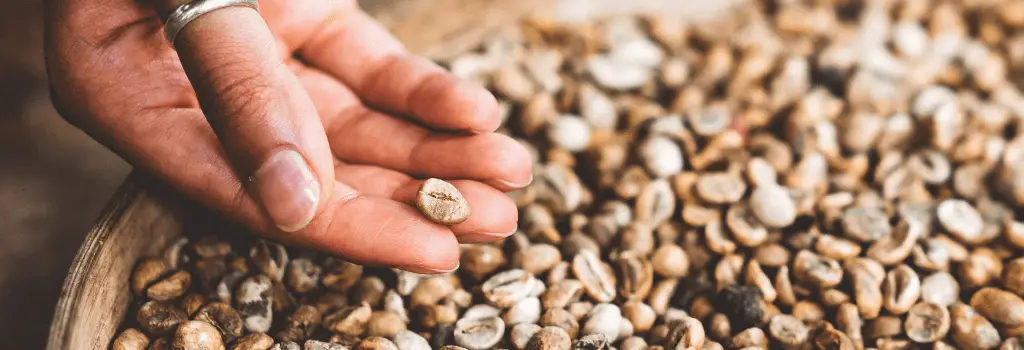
{"points": [[429, 271], [288, 190], [515, 185]]}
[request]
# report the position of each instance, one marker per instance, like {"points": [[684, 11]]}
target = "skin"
{"points": [[316, 77]]}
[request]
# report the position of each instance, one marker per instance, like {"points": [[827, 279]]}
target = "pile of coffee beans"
{"points": [[824, 174]]}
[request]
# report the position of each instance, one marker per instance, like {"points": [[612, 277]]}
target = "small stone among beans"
{"points": [[441, 202]]}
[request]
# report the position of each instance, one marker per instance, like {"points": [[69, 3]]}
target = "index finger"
{"points": [[366, 57]]}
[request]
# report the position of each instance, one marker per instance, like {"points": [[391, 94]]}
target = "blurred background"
{"points": [[55, 180]]}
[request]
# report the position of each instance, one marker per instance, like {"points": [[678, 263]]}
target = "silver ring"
{"points": [[186, 13]]}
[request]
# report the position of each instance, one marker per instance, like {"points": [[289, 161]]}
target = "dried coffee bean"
{"points": [[286, 346], [522, 333], [816, 270], [340, 275], [319, 345], [720, 188], [686, 334], [441, 202], [670, 261], [580, 309], [550, 338], [772, 255], [635, 275], [270, 258], [351, 320], [479, 333], [633, 343], [147, 272], [960, 219], [927, 322], [640, 315], [223, 317], [506, 288], [384, 324], [302, 275], [808, 311], [538, 258], [197, 335], [865, 224], [592, 342], [895, 248], [940, 288], [784, 287], [788, 330], [603, 319], [376, 343], [981, 268], [562, 293], [131, 339], [655, 203], [773, 205], [902, 288], [598, 281], [254, 303], [300, 325], [369, 289], [836, 248], [1013, 276], [970, 330], [524, 311], [719, 327], [661, 156], [1005, 309], [430, 290], [159, 318], [561, 319], [254, 341], [749, 338]]}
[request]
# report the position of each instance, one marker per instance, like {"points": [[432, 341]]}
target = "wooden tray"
{"points": [[144, 216]]}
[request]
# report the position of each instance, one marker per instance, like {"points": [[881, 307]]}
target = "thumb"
{"points": [[264, 119]]}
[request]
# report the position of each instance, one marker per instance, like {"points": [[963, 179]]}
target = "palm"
{"points": [[136, 98]]}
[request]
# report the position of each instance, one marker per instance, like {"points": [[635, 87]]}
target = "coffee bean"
{"points": [[562, 293], [865, 224], [940, 288], [550, 338], [562, 319], [604, 319], [376, 343], [927, 322], [597, 280], [506, 288], [159, 318], [773, 206], [788, 330], [527, 310], [522, 333], [319, 345], [640, 315], [686, 334], [901, 289], [130, 339], [720, 188], [960, 219], [970, 330], [479, 333], [441, 202]]}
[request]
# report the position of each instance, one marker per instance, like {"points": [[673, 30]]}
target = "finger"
{"points": [[265, 121], [493, 215], [364, 56], [379, 231], [370, 137]]}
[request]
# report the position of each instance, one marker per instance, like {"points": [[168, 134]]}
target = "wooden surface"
{"points": [[138, 222], [141, 218]]}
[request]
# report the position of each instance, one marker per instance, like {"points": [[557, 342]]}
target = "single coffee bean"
{"points": [[604, 319], [506, 288], [159, 318], [254, 341], [376, 343], [441, 202], [902, 288], [773, 206], [319, 345], [407, 340], [940, 288], [131, 339], [223, 317], [479, 334], [197, 335], [552, 338], [522, 333], [927, 322], [788, 330], [960, 219], [970, 330], [562, 319], [598, 281]]}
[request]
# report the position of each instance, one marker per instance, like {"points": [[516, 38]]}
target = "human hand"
{"points": [[272, 118]]}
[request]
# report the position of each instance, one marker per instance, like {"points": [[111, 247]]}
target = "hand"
{"points": [[273, 119]]}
